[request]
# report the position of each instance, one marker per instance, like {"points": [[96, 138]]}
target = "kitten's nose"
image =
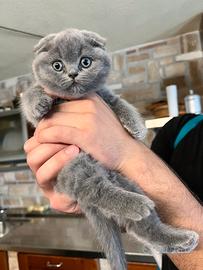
{"points": [[73, 73]]}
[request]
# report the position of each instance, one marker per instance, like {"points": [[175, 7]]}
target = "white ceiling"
{"points": [[124, 23]]}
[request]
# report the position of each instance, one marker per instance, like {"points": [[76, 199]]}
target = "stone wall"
{"points": [[141, 73], [19, 189]]}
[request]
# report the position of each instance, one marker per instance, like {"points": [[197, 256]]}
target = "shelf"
{"points": [[157, 123], [190, 56]]}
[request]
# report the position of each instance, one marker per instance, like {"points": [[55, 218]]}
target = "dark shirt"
{"points": [[186, 159]]}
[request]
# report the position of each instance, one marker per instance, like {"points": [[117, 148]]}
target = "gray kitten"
{"points": [[72, 64]]}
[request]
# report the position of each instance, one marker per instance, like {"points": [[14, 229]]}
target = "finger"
{"points": [[87, 105], [30, 144], [60, 134], [41, 153], [47, 173], [76, 120]]}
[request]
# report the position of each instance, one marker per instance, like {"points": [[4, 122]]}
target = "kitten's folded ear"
{"points": [[44, 44], [94, 39]]}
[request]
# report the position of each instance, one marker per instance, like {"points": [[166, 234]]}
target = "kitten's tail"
{"points": [[108, 234]]}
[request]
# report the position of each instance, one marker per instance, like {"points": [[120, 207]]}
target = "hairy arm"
{"points": [[175, 203]]}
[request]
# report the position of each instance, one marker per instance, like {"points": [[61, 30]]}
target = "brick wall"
{"points": [[19, 189], [141, 73]]}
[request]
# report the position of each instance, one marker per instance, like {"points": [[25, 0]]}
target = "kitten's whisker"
{"points": [[65, 82]]}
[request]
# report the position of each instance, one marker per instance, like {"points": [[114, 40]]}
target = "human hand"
{"points": [[88, 123], [92, 126], [46, 160]]}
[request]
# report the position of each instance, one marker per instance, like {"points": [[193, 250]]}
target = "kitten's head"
{"points": [[71, 63]]}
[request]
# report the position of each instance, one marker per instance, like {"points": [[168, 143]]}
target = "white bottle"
{"points": [[193, 103], [172, 100]]}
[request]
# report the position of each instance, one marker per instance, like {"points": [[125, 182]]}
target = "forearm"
{"points": [[175, 204]]}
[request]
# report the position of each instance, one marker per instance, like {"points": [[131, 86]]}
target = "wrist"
{"points": [[133, 164]]}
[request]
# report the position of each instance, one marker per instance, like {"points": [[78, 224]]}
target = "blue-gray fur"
{"points": [[107, 197]]}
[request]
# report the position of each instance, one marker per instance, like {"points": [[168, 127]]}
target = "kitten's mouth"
{"points": [[67, 84]]}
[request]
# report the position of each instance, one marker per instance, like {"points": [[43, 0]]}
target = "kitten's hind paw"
{"points": [[184, 243]]}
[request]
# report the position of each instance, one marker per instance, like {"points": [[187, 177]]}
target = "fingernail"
{"points": [[72, 150]]}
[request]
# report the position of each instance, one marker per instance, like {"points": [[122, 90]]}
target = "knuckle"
{"points": [[43, 135], [25, 147], [31, 161], [45, 123], [40, 125], [40, 177]]}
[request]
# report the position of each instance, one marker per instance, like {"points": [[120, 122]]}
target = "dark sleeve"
{"points": [[167, 264], [163, 143]]}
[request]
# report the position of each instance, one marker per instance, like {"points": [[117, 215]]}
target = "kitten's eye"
{"points": [[57, 65], [86, 62]]}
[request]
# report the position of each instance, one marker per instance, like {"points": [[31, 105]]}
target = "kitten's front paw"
{"points": [[43, 107], [142, 208]]}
